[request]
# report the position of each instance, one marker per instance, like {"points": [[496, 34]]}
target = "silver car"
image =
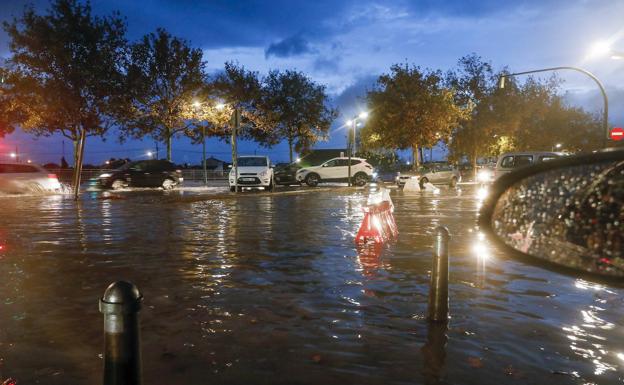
{"points": [[21, 178], [434, 173]]}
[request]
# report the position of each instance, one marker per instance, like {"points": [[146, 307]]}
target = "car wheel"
{"points": [[453, 182], [360, 179], [168, 184], [117, 184], [271, 187], [232, 189], [312, 179], [423, 182]]}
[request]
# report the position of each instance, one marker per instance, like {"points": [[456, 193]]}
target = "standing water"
{"points": [[270, 289]]}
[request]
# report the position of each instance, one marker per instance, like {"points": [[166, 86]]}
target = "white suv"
{"points": [[253, 171], [337, 170]]}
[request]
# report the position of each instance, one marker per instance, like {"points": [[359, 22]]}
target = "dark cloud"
{"points": [[291, 46]]}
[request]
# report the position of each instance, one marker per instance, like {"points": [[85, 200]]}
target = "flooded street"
{"points": [[270, 289]]}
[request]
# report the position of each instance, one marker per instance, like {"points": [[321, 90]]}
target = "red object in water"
{"points": [[378, 224], [9, 381]]}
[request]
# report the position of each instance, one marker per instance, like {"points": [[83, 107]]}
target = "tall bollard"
{"points": [[438, 291], [122, 352]]}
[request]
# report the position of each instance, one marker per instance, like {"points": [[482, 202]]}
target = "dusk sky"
{"points": [[346, 44]]}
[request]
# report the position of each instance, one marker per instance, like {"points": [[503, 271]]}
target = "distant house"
{"points": [[319, 156], [213, 163]]}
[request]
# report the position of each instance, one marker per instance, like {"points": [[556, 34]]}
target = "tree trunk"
{"points": [[416, 159], [79, 161], [290, 148], [422, 155], [473, 162], [169, 139]]}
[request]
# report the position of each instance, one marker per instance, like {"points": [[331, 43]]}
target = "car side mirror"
{"points": [[565, 214]]}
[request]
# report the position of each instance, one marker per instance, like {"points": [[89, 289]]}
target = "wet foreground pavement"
{"points": [[270, 289]]}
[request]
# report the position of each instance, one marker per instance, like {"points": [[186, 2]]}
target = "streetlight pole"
{"points": [[350, 149], [204, 154], [351, 144], [605, 118]]}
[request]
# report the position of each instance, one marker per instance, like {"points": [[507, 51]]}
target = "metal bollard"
{"points": [[122, 352], [438, 291]]}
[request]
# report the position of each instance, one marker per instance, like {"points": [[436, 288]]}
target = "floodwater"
{"points": [[269, 289]]}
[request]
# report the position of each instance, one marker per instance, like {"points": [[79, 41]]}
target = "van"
{"points": [[513, 160]]}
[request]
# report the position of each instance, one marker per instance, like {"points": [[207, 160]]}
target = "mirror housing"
{"points": [[565, 214]]}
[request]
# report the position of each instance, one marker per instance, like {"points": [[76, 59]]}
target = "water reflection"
{"points": [[434, 353], [585, 337], [227, 303]]}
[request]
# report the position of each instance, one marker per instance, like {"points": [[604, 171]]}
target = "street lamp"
{"points": [[605, 118], [351, 150], [196, 106], [149, 154]]}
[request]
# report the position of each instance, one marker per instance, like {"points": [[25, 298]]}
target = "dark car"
{"points": [[286, 174], [143, 173]]}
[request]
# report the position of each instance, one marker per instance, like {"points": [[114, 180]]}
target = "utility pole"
{"points": [[16, 154], [236, 127]]}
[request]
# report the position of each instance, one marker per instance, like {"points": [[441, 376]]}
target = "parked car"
{"points": [[286, 173], [142, 173], [19, 178], [513, 160], [337, 170], [434, 173], [253, 171]]}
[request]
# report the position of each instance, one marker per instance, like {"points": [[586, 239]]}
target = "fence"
{"points": [[65, 175]]}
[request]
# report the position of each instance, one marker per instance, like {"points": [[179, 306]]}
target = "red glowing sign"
{"points": [[617, 133]]}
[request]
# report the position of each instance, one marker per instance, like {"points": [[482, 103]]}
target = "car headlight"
{"points": [[105, 175], [263, 174], [374, 174], [484, 175]]}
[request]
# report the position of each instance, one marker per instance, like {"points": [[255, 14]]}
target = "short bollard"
{"points": [[122, 352], [438, 291]]}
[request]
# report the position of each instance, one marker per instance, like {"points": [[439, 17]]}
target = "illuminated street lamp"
{"points": [[13, 155], [605, 118], [353, 123], [149, 154]]}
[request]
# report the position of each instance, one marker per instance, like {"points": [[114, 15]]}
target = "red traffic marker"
{"points": [[617, 133]]}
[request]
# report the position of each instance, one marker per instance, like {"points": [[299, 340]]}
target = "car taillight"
{"points": [[52, 176]]}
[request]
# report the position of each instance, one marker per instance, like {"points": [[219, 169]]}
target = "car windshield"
{"points": [[249, 161]]}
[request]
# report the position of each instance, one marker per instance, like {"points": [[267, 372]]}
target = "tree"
{"points": [[299, 107], [411, 109], [241, 90], [473, 83], [163, 77], [65, 73]]}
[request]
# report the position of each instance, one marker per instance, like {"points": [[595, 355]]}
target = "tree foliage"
{"points": [[526, 116], [65, 73], [410, 108], [163, 77], [242, 90], [299, 108]]}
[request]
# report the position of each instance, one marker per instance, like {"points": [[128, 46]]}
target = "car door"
{"points": [[445, 172], [139, 175], [327, 170]]}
